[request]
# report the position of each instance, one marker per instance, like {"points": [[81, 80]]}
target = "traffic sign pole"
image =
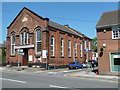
{"points": [[18, 58]]}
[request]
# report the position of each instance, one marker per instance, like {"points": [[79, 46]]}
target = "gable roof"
{"points": [[109, 19], [27, 10]]}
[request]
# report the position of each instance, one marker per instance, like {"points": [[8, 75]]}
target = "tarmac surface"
{"points": [[80, 73]]}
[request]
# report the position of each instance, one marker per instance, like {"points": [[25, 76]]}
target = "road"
{"points": [[50, 80]]}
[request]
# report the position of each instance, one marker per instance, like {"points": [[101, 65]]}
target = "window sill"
{"points": [[115, 38], [12, 55], [52, 56]]}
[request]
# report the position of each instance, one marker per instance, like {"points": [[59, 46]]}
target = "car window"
{"points": [[77, 62], [72, 62]]}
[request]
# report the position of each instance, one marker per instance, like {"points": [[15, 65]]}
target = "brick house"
{"points": [[32, 33], [108, 35]]}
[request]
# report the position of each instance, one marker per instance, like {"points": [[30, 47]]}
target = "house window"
{"points": [[75, 49], [24, 38], [21, 39], [81, 49], [115, 33], [62, 47], [28, 38], [85, 44], [69, 48], [38, 41], [89, 46], [12, 44], [52, 45]]}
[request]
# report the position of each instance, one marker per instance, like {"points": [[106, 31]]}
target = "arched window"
{"points": [[38, 41], [24, 37], [52, 45], [62, 47], [12, 44]]}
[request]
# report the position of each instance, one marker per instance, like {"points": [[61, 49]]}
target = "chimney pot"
{"points": [[66, 25]]}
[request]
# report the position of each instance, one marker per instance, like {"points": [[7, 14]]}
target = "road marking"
{"points": [[13, 80], [64, 71], [57, 86], [52, 72]]}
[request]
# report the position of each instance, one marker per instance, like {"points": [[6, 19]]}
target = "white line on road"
{"points": [[13, 80], [57, 86]]}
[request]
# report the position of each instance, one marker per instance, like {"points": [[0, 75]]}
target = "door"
{"points": [[25, 57]]}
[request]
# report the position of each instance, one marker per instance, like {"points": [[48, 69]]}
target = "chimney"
{"points": [[66, 26]]}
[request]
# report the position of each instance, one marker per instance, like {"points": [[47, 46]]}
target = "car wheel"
{"points": [[76, 67], [69, 68]]}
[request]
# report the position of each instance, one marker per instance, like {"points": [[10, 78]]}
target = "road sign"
{"points": [[46, 51], [20, 50], [21, 53], [87, 50]]}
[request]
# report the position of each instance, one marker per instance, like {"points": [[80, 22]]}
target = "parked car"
{"points": [[75, 65], [95, 62], [86, 65]]}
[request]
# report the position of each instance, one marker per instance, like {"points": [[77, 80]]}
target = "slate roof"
{"points": [[61, 27], [109, 19]]}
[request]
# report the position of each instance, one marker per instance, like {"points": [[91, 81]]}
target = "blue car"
{"points": [[75, 65]]}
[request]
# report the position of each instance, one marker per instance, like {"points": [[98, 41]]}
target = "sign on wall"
{"points": [[44, 53], [30, 57]]}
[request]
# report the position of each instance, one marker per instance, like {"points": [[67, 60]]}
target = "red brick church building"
{"points": [[32, 34]]}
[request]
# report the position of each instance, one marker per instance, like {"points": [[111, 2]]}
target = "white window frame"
{"points": [[85, 45], [52, 45], [69, 48], [38, 41], [81, 50], [75, 48], [21, 39], [28, 38], [118, 31], [89, 45], [24, 34], [12, 44], [62, 47]]}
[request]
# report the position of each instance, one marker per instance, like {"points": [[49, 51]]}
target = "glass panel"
{"points": [[52, 45], [38, 46], [13, 39], [38, 35], [52, 40], [116, 61]]}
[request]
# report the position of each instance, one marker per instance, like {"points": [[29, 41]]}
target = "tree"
{"points": [[3, 55], [94, 44]]}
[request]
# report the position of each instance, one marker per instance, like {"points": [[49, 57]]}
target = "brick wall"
{"points": [[32, 24], [111, 46]]}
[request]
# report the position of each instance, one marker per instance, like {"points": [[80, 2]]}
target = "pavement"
{"points": [[83, 73], [91, 75]]}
